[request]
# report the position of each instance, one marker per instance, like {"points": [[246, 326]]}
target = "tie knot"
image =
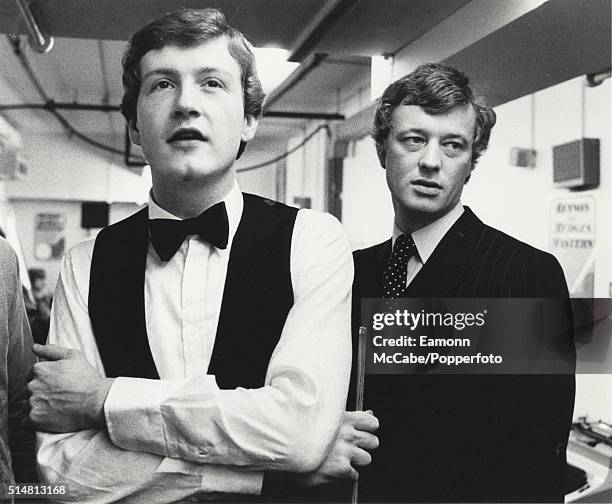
{"points": [[404, 244], [191, 226]]}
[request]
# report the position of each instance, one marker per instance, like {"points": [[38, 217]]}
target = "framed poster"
{"points": [[49, 236]]}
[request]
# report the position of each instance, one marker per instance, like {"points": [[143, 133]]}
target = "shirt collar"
{"points": [[427, 238], [234, 203]]}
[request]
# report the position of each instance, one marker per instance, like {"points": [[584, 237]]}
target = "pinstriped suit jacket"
{"points": [[468, 438], [472, 261]]}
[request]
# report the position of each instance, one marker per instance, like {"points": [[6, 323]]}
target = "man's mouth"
{"points": [[426, 183], [186, 134]]}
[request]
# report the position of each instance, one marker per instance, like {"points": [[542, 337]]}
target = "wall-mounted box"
{"points": [[576, 164], [524, 158]]}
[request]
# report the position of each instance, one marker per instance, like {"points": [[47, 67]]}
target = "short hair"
{"points": [[187, 28], [436, 88]]}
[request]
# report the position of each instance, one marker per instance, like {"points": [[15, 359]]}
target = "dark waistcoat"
{"points": [[257, 297]]}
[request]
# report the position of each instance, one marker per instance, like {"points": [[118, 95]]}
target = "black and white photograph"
{"points": [[305, 251]]}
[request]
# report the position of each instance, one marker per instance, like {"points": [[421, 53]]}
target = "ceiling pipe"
{"points": [[595, 79], [38, 40], [320, 116], [52, 105]]}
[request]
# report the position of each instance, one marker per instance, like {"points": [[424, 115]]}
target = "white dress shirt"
{"points": [[426, 240], [181, 438]]}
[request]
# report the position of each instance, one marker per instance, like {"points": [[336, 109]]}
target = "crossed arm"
{"points": [[161, 440]]}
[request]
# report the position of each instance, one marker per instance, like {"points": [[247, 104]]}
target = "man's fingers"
{"points": [[52, 352], [360, 457], [361, 420], [366, 440]]}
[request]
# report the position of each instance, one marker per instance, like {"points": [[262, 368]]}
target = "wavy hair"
{"points": [[436, 88], [187, 28]]}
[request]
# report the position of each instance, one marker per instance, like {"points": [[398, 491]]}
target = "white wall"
{"points": [[25, 215], [261, 181], [65, 168], [594, 397], [367, 212], [306, 168], [518, 200], [62, 173]]}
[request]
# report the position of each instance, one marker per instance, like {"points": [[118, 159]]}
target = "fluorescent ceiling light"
{"points": [[272, 66]]}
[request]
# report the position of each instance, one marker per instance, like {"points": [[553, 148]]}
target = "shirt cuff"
{"points": [[133, 416], [216, 478]]}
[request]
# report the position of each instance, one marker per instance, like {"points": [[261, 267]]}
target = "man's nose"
{"points": [[430, 158], [187, 103]]}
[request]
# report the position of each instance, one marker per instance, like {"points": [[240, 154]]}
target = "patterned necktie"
{"points": [[167, 235], [394, 279]]}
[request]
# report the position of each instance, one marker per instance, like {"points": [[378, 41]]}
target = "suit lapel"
{"points": [[450, 259]]}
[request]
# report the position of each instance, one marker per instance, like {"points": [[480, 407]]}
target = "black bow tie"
{"points": [[167, 235]]}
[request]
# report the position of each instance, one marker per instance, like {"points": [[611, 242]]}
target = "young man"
{"points": [[16, 441], [455, 437], [208, 335]]}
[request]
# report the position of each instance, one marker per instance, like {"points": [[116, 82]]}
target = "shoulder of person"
{"points": [[8, 261], [126, 224], [366, 255], [320, 219], [5, 249], [521, 251], [80, 252]]}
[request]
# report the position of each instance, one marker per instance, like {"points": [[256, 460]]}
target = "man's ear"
{"points": [[133, 132], [249, 127]]}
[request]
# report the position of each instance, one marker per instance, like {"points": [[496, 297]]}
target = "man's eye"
{"points": [[454, 146], [413, 140], [163, 84], [413, 143], [213, 83]]}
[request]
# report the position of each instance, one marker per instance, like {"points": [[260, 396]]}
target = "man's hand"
{"points": [[353, 438], [68, 394]]}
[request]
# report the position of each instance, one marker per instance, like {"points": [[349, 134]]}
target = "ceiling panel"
{"points": [[265, 22], [556, 42], [324, 88], [385, 26]]}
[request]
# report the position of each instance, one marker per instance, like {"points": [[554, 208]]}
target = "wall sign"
{"points": [[49, 236], [573, 242]]}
